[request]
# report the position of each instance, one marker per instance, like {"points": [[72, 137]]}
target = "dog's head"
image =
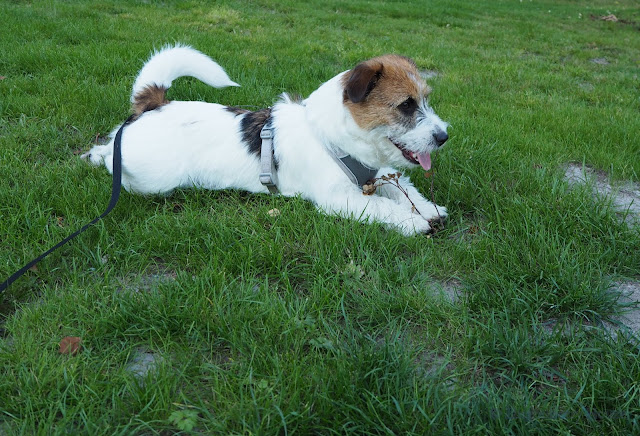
{"points": [[388, 98]]}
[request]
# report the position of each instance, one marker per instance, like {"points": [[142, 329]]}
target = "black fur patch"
{"points": [[251, 125], [236, 110]]}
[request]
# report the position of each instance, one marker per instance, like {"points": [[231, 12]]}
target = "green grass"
{"points": [[305, 323]]}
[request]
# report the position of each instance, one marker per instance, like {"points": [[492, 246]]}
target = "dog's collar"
{"points": [[268, 175], [357, 172]]}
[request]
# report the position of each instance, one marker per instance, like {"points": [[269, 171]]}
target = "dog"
{"points": [[374, 117]]}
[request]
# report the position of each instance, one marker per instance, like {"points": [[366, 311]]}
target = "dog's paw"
{"points": [[414, 225], [96, 155], [430, 211], [440, 217]]}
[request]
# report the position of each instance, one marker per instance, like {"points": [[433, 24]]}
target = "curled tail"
{"points": [[168, 64]]}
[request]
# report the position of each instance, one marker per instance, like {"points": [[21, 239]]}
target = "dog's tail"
{"points": [[168, 64]]}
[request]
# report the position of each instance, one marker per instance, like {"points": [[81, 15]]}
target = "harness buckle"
{"points": [[266, 132]]}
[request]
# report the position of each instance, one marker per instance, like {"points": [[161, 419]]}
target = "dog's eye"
{"points": [[408, 107]]}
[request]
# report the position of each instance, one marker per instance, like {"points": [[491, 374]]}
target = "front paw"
{"points": [[440, 215], [430, 211], [414, 225]]}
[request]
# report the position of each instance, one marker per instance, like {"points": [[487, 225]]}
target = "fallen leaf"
{"points": [[428, 174], [369, 189], [2, 77], [70, 345], [274, 213]]}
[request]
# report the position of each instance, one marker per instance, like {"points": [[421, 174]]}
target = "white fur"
{"points": [[197, 144], [169, 63]]}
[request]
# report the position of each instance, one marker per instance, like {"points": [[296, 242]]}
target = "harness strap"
{"points": [[115, 194], [268, 174], [357, 172]]}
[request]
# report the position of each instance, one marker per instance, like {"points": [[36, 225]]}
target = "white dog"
{"points": [[367, 120]]}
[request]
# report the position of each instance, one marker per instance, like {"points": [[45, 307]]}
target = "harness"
{"points": [[357, 172]]}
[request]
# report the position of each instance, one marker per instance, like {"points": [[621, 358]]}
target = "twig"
{"points": [[393, 179]]}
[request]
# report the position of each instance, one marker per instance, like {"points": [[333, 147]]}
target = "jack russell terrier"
{"points": [[360, 125]]}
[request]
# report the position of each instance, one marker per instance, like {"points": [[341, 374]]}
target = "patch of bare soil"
{"points": [[628, 322], [153, 277], [143, 361], [613, 19], [451, 289], [625, 196]]}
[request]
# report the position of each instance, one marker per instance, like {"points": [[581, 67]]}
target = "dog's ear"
{"points": [[361, 80]]}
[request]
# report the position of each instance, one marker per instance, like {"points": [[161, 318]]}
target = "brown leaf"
{"points": [[369, 189], [70, 345], [428, 174], [2, 77]]}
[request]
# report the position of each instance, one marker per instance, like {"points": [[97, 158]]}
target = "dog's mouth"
{"points": [[422, 159]]}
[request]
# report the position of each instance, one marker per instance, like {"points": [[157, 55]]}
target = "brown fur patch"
{"points": [[150, 98], [374, 89]]}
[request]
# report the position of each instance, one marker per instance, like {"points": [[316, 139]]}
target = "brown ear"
{"points": [[361, 80]]}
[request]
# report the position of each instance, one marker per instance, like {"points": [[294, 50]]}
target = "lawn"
{"points": [[202, 312]]}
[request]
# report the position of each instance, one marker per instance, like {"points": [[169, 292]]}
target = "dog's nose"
{"points": [[441, 137]]}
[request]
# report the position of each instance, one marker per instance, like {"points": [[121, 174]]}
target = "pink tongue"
{"points": [[425, 160]]}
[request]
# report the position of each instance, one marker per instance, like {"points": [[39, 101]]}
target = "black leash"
{"points": [[115, 193]]}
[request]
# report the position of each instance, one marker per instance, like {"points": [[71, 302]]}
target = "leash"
{"points": [[115, 194]]}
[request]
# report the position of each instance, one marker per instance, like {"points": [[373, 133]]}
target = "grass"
{"points": [[304, 323]]}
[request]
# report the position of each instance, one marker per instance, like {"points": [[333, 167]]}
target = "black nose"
{"points": [[441, 137]]}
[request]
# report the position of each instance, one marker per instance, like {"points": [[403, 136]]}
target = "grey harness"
{"points": [[357, 172], [268, 175]]}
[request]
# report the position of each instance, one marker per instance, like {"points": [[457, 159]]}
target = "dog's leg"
{"points": [[374, 208], [98, 153], [413, 200]]}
